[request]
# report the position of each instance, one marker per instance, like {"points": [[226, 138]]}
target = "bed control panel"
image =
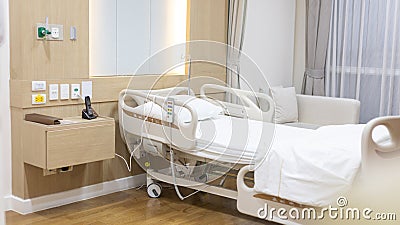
{"points": [[170, 110]]}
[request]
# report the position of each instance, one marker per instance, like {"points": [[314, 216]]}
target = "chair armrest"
{"points": [[328, 111]]}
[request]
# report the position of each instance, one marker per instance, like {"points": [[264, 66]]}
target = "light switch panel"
{"points": [[38, 85], [53, 92], [64, 91], [75, 91]]}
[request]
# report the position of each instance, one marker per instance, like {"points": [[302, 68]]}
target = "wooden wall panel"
{"points": [[33, 59], [208, 20], [107, 89], [115, 168], [18, 174]]}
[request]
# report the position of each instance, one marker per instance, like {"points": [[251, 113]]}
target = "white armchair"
{"points": [[313, 111], [327, 111]]}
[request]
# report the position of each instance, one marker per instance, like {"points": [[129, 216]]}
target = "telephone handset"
{"points": [[88, 112]]}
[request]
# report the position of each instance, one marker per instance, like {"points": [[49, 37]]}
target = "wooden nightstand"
{"points": [[75, 141]]}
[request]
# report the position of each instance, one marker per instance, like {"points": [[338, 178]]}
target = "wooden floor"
{"points": [[134, 207]]}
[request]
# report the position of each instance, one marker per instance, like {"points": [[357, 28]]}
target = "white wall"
{"points": [[125, 33], [168, 28], [269, 41], [5, 123], [133, 35], [102, 37], [300, 45]]}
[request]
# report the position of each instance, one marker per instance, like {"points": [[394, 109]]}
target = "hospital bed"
{"points": [[158, 136], [183, 141]]}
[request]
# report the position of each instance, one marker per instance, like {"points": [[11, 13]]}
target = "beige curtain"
{"points": [[317, 36], [236, 28]]}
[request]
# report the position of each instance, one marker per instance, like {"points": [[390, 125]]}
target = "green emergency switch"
{"points": [[42, 32]]}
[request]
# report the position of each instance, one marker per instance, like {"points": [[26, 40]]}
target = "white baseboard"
{"points": [[26, 206], [6, 202]]}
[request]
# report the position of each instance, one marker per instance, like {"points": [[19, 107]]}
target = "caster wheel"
{"points": [[154, 190], [202, 178]]}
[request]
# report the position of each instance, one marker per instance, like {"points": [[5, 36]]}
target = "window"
{"points": [[364, 55]]}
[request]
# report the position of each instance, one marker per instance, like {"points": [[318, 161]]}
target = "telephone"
{"points": [[88, 113]]}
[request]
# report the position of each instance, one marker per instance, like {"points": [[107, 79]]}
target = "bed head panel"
{"points": [[248, 109], [183, 133]]}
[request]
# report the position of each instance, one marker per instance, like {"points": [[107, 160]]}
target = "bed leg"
{"points": [[153, 189], [149, 179]]}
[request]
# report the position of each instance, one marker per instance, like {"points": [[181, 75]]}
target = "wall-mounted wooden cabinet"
{"points": [[78, 142]]}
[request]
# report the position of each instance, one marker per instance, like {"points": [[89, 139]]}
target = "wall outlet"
{"points": [[53, 92], [55, 32], [75, 91], [64, 93], [49, 32]]}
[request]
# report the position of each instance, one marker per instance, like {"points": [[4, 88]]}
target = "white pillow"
{"points": [[285, 104], [204, 109]]}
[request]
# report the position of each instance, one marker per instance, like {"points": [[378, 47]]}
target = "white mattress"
{"points": [[233, 140], [241, 141]]}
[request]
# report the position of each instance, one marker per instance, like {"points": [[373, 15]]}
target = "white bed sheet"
{"points": [[307, 166], [314, 169]]}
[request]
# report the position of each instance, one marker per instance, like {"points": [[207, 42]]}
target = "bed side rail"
{"points": [[172, 91], [381, 158], [249, 109], [161, 92]]}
